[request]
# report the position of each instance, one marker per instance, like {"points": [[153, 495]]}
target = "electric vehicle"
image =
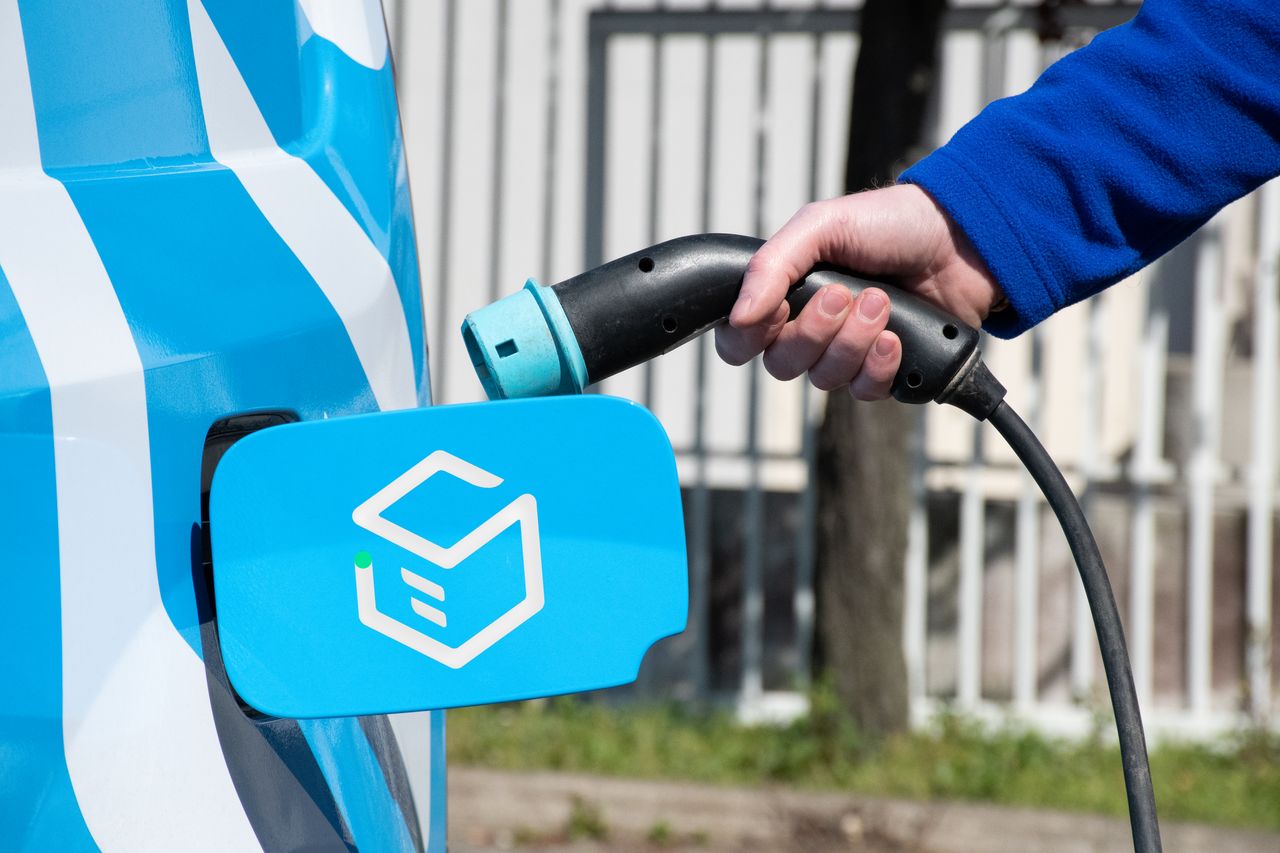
{"points": [[205, 229]]}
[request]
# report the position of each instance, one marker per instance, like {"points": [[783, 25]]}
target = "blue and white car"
{"points": [[204, 229]]}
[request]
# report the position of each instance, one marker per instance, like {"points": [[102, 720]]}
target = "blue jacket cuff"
{"points": [[961, 191]]}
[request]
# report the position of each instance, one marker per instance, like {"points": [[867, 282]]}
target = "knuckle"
{"points": [[882, 371], [864, 391], [812, 334], [730, 351], [823, 383], [814, 211], [867, 388], [778, 366], [761, 262], [824, 380]]}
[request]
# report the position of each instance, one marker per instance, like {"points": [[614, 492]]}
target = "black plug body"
{"points": [[652, 301]]}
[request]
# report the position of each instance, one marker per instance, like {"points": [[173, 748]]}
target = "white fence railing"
{"points": [[547, 135]]}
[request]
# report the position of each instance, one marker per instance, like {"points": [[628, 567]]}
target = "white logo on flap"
{"points": [[522, 511]]}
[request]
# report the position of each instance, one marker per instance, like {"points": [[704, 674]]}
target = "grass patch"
{"points": [[1233, 783]]}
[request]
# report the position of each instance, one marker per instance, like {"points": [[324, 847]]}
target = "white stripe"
{"points": [[426, 611], [348, 268], [355, 27], [421, 584], [141, 749]]}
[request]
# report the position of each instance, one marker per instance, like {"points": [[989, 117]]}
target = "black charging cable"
{"points": [[1106, 621], [637, 307]]}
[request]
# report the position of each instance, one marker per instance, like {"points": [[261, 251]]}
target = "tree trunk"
{"points": [[863, 447]]}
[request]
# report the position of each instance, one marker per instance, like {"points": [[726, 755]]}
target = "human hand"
{"points": [[840, 340]]}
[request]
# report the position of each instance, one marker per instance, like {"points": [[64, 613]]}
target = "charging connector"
{"points": [[648, 303], [558, 339]]}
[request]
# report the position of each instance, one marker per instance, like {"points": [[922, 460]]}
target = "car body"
{"points": [[205, 229]]}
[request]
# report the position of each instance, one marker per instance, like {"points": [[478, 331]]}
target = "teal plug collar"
{"points": [[523, 346]]}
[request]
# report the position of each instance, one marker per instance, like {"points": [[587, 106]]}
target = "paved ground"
{"points": [[492, 810]]}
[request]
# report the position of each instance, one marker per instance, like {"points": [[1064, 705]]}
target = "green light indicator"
{"points": [[363, 560]]}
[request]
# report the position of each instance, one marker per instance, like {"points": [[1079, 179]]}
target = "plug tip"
{"points": [[522, 346]]}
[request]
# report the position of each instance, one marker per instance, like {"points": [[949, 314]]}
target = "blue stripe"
{"points": [[357, 780], [117, 85], [38, 809], [437, 837], [343, 119]]}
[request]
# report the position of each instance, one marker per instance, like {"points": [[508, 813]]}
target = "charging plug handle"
{"points": [[650, 302]]}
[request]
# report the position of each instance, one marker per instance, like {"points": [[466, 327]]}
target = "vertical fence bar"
{"points": [[443, 233], [753, 560], [972, 559], [549, 140], [915, 581], [1202, 467], [1262, 471], [1027, 560], [655, 175], [803, 599], [700, 511], [973, 498], [1083, 641], [1148, 467], [596, 124], [498, 147]]}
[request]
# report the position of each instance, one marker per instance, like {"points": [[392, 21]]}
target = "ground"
{"points": [[493, 810]]}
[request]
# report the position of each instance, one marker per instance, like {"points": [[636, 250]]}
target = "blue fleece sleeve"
{"points": [[1117, 153]]}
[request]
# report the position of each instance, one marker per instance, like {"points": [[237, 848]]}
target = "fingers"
{"points": [[844, 357], [801, 343], [779, 263], [839, 340], [878, 369], [738, 346]]}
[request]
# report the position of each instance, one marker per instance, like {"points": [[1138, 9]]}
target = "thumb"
{"points": [[781, 262]]}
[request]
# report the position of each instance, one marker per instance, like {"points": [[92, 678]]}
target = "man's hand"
{"points": [[898, 231]]}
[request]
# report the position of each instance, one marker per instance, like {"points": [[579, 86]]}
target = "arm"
{"points": [[1117, 153]]}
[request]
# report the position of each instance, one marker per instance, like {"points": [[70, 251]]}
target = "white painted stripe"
{"points": [[321, 232], [141, 749], [355, 27], [426, 611], [421, 584]]}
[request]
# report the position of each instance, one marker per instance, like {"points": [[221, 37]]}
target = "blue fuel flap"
{"points": [[448, 556]]}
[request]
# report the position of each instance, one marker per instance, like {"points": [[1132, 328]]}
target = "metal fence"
{"points": [[549, 135]]}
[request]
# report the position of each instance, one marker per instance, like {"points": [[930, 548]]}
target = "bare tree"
{"points": [[863, 447]]}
